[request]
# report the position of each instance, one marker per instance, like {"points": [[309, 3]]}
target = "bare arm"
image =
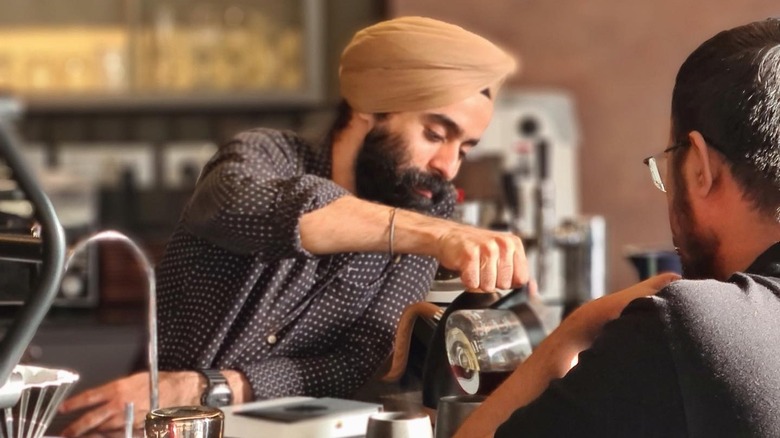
{"points": [[486, 259], [252, 198], [554, 357]]}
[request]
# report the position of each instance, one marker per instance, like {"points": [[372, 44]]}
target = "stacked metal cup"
{"points": [[185, 422]]}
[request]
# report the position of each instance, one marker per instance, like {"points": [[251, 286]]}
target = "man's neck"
{"points": [[747, 240], [744, 232]]}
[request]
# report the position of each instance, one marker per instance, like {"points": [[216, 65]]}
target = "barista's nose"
{"points": [[446, 162]]}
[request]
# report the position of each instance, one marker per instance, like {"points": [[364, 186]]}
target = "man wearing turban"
{"points": [[292, 262]]}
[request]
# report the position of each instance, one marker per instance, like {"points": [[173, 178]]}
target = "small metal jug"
{"points": [[185, 422]]}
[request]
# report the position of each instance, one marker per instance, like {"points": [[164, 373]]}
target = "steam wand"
{"points": [[543, 239], [545, 215], [116, 236]]}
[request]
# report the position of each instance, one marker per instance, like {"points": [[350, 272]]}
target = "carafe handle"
{"points": [[517, 301], [514, 298]]}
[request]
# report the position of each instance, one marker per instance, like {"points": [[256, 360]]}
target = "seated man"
{"points": [[292, 262], [702, 357]]}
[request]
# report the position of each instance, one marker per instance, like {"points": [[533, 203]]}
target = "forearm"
{"points": [[485, 259], [349, 224]]}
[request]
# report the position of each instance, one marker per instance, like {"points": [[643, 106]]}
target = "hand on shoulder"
{"points": [[586, 322]]}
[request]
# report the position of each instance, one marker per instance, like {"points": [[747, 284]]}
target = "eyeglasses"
{"points": [[657, 165]]}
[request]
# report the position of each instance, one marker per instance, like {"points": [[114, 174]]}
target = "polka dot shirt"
{"points": [[237, 291]]}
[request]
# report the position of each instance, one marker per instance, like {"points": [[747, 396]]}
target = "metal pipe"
{"points": [[112, 235], [582, 241]]}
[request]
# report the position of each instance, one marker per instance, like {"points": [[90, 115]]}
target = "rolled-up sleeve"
{"points": [[252, 193]]}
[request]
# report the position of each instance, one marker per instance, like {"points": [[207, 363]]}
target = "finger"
{"points": [[533, 288], [488, 267], [115, 422], [660, 281], [87, 422], [85, 399], [505, 266], [649, 286], [520, 275], [469, 274]]}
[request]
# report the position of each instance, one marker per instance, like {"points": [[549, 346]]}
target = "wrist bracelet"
{"points": [[392, 233]]}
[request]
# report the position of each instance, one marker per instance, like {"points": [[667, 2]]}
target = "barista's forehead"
{"points": [[469, 116], [452, 127]]}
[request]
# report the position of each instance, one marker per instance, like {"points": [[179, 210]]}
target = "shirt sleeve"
{"points": [[362, 350], [625, 385], [252, 193]]}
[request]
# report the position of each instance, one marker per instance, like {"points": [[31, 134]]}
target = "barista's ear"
{"points": [[367, 119]]}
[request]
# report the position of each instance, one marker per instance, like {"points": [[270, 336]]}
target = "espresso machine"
{"points": [[531, 189], [537, 137]]}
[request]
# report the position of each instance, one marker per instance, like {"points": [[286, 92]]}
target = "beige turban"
{"points": [[416, 63]]}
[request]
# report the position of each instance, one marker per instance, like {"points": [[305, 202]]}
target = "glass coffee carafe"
{"points": [[484, 346]]}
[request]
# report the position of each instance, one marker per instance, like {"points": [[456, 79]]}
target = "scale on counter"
{"points": [[299, 417]]}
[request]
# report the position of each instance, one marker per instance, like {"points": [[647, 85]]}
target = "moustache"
{"points": [[412, 179]]}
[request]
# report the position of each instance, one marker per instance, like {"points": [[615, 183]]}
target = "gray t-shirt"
{"points": [[237, 290]]}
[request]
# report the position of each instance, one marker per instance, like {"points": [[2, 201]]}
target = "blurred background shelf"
{"points": [[170, 102], [119, 103], [162, 54]]}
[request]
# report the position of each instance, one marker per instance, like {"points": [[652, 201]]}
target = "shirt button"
{"points": [[271, 339]]}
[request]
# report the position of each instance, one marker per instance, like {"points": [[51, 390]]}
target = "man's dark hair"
{"points": [[341, 121], [729, 90]]}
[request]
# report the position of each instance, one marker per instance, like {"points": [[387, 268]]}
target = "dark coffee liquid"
{"points": [[489, 381], [479, 382]]}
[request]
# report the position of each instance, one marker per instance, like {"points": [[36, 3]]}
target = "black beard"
{"points": [[382, 174], [698, 249]]}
